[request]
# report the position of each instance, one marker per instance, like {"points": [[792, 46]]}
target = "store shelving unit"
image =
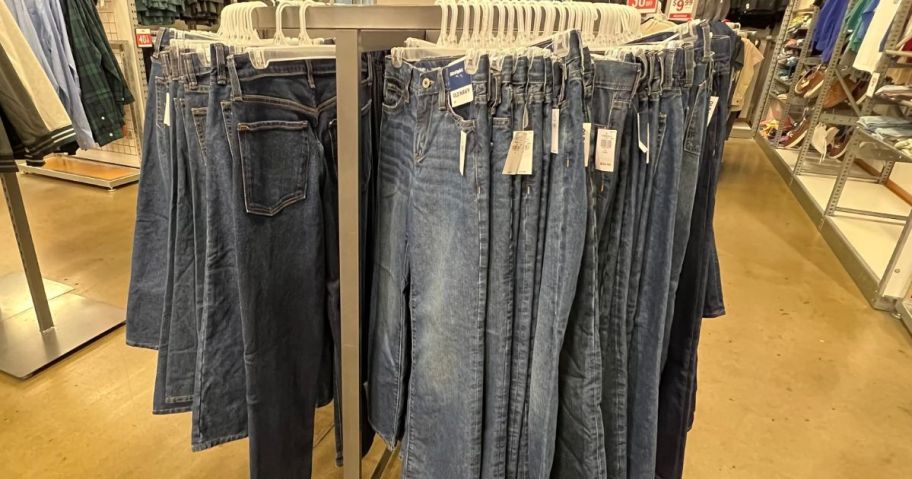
{"points": [[872, 248]]}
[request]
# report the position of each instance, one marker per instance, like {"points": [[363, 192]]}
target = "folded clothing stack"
{"points": [[895, 131], [165, 12]]}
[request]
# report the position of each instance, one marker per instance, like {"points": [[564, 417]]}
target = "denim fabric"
{"points": [[583, 426], [150, 240], [219, 402], [529, 79], [278, 124], [695, 132], [649, 321], [564, 238], [498, 337], [678, 386], [169, 393], [715, 305]]}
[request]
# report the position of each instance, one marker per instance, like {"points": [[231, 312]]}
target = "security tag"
{"points": [[167, 119], [459, 84], [713, 101], [605, 147], [555, 130], [462, 151], [587, 134], [519, 156], [872, 85]]}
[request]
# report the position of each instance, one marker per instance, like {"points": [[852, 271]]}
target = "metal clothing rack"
{"points": [[357, 29], [25, 348]]}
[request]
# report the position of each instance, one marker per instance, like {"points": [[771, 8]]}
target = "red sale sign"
{"points": [[644, 6], [680, 10], [143, 38]]}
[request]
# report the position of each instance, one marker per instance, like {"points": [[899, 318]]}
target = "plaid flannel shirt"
{"points": [[104, 90]]}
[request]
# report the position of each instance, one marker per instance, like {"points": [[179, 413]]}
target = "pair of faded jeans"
{"points": [[429, 296]]}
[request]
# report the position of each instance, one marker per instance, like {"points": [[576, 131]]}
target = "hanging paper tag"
{"points": [[462, 151], [459, 84], [643, 147], [167, 119], [713, 101], [519, 156], [587, 134], [872, 85], [555, 130], [605, 149]]}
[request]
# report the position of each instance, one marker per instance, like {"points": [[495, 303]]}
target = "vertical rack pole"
{"points": [[27, 250], [348, 90]]}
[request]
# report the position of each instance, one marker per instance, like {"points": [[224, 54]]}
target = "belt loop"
{"points": [[310, 76], [191, 71], [707, 39], [670, 68], [688, 66], [236, 93], [441, 91]]}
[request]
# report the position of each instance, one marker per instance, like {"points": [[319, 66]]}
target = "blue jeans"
{"points": [[498, 338], [587, 416], [678, 388], [441, 273], [219, 403], [530, 77], [649, 320], [150, 236], [564, 237]]}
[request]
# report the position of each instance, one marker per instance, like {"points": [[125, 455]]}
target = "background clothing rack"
{"points": [[357, 29]]}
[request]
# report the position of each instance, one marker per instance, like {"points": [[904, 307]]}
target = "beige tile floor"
{"points": [[801, 379]]}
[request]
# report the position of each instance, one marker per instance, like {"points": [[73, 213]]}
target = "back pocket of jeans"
{"points": [[274, 157]]}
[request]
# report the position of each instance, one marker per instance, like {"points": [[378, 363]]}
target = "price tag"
{"points": [[681, 10], [143, 38], [555, 130], [587, 134], [519, 156], [605, 148], [462, 151], [167, 118], [459, 84], [872, 85], [713, 101]]}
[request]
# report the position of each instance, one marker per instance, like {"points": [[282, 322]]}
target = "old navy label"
{"points": [[459, 84]]}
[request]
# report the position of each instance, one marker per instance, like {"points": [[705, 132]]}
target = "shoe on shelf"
{"points": [[796, 134], [837, 94], [811, 80], [837, 147]]}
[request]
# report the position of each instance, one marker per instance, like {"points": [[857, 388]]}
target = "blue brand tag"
{"points": [[458, 83]]}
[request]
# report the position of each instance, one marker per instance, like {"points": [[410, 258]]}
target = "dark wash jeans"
{"points": [[279, 122], [649, 320], [678, 387], [150, 255], [580, 449], [432, 256], [219, 402]]}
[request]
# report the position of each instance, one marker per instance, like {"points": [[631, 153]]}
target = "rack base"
{"points": [[84, 171], [24, 350]]}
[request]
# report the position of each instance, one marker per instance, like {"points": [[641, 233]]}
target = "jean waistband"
{"points": [[427, 77], [721, 47], [617, 75], [196, 72], [568, 51]]}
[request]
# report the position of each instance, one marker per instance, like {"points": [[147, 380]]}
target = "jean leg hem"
{"points": [[171, 410], [141, 344], [202, 446]]}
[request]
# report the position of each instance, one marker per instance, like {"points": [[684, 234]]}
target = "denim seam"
{"points": [[202, 446]]}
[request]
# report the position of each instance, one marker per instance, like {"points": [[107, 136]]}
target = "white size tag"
{"points": [[461, 96], [605, 147], [713, 101], [462, 150], [560, 45], [587, 134], [167, 119], [519, 156], [643, 147], [872, 85], [555, 130]]}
